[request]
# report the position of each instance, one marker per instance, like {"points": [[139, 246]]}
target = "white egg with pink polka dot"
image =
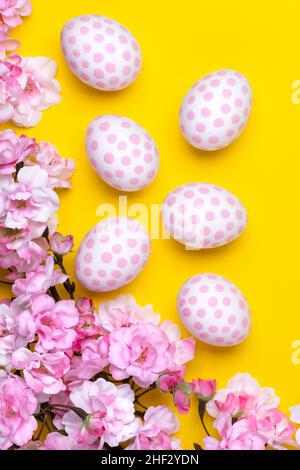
{"points": [[216, 109], [112, 254], [214, 310], [101, 52], [122, 152], [203, 215]]}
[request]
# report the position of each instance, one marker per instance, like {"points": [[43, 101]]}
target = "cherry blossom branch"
{"points": [[6, 283], [152, 387], [44, 424], [81, 413], [140, 404], [68, 285], [54, 293], [58, 259], [201, 412], [18, 168]]}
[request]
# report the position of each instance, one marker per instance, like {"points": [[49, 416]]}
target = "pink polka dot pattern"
{"points": [[215, 110], [112, 254], [122, 152], [202, 215], [101, 52], [214, 310]]}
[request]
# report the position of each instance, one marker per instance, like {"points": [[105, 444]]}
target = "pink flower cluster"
{"points": [[18, 405], [29, 174], [247, 418], [60, 357], [140, 347], [120, 341], [27, 87], [83, 372], [66, 353], [27, 84], [11, 13]]}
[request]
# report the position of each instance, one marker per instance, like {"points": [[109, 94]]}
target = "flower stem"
{"points": [[201, 412], [204, 425], [18, 168], [140, 404], [81, 413], [68, 285], [44, 424], [53, 292], [6, 283], [58, 259], [146, 391]]}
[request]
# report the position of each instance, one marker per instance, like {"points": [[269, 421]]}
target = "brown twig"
{"points": [[6, 283]]}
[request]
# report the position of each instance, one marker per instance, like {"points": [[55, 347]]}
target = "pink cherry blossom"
{"points": [[93, 359], [11, 11], [10, 88], [39, 280], [110, 413], [124, 312], [39, 90], [242, 435], [237, 405], [184, 348], [59, 169], [6, 44], [19, 252], [245, 401], [61, 245], [243, 394], [275, 427], [13, 150], [86, 327], [55, 323], [17, 330], [138, 346], [27, 202], [169, 380], [204, 389], [26, 207], [142, 351], [43, 373], [155, 433], [18, 404]]}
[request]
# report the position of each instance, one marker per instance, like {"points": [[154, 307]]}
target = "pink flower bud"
{"points": [[204, 389], [60, 244], [169, 381], [182, 398]]}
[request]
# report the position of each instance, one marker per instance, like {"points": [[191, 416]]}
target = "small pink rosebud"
{"points": [[60, 244], [182, 398], [204, 389]]}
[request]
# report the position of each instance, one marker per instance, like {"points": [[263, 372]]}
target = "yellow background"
{"points": [[181, 42]]}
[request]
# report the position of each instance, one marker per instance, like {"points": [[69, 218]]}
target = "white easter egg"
{"points": [[112, 254], [214, 310], [101, 52], [122, 152], [203, 215], [215, 110]]}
